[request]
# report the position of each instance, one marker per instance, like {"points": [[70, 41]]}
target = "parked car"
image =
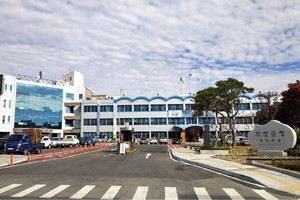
{"points": [[2, 142], [88, 141], [176, 141], [153, 141], [243, 141], [54, 141], [163, 139], [143, 141], [46, 140]]}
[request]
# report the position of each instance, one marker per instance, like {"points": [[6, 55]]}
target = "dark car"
{"points": [[176, 141], [88, 141], [2, 142]]}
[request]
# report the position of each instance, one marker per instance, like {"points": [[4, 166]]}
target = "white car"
{"points": [[46, 140], [54, 141], [153, 141]]}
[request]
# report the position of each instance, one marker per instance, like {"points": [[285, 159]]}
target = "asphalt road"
{"points": [[149, 172]]}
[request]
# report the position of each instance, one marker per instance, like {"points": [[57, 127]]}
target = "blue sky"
{"points": [[146, 46]]}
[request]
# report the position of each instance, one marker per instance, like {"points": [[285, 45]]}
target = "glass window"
{"points": [[158, 121], [106, 108], [158, 107], [10, 88], [90, 108], [9, 104], [8, 119], [4, 103], [69, 96], [191, 120], [175, 120], [3, 119], [138, 108], [175, 107], [188, 106], [258, 106], [124, 108], [243, 106], [80, 96], [38, 106], [5, 87], [141, 121]]}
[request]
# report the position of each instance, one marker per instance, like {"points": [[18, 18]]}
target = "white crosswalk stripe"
{"points": [[171, 193], [233, 194], [9, 187], [140, 193], [111, 192], [55, 191], [265, 194], [202, 193], [82, 192], [29, 190]]}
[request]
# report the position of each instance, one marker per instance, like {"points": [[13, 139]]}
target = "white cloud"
{"points": [[146, 46]]}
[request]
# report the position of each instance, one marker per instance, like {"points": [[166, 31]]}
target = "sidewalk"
{"points": [[6, 160], [263, 176]]}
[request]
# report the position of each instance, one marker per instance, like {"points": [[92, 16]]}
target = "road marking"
{"points": [[82, 192], [111, 192], [9, 187], [147, 155], [171, 193], [265, 194], [233, 194], [140, 193], [29, 190], [202, 193], [55, 191]]}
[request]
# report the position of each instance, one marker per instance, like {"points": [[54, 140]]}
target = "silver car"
{"points": [[153, 141], [163, 140]]}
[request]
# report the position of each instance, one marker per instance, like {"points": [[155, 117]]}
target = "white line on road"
{"points": [[171, 193], [12, 186], [111, 192], [140, 193], [233, 194], [55, 191], [265, 194], [82, 192], [202, 193], [29, 190], [147, 155]]}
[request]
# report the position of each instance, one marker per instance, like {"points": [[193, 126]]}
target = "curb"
{"points": [[222, 171]]}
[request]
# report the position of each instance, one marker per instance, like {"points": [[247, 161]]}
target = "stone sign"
{"points": [[272, 138]]}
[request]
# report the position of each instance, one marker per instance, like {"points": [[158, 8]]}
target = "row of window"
{"points": [[70, 96], [7, 121], [8, 88], [109, 135], [165, 121], [162, 107], [5, 102]]}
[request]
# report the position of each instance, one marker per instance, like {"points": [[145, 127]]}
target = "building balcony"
{"points": [[72, 117]]}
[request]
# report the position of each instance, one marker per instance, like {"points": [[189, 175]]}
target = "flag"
{"points": [[181, 80], [198, 78]]}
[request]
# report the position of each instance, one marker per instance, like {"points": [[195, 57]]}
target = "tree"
{"points": [[269, 112], [290, 107], [223, 100], [229, 101], [206, 100]]}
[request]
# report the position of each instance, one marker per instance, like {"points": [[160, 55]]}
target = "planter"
{"points": [[214, 151]]}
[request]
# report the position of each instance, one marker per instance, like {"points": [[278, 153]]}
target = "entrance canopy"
{"points": [[183, 127]]}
